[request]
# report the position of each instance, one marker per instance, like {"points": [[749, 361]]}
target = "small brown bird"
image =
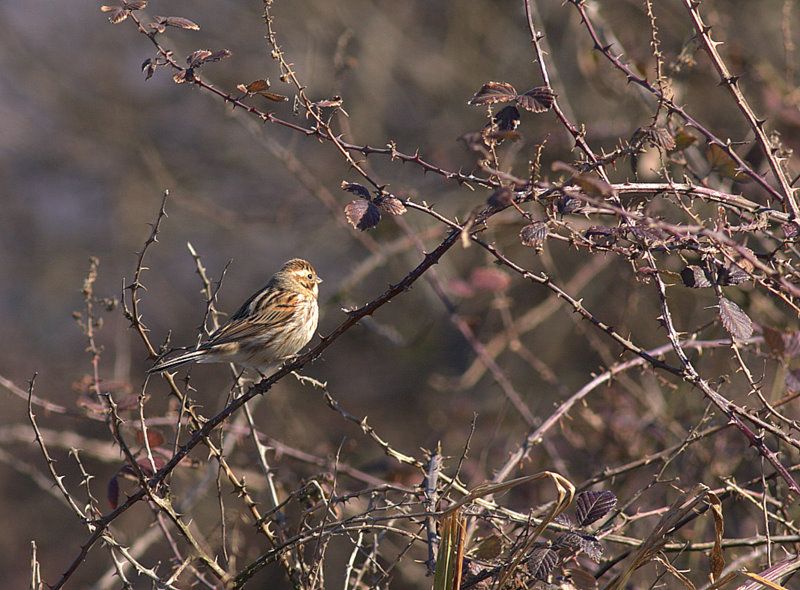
{"points": [[273, 325]]}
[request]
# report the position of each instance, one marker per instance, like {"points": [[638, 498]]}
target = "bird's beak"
{"points": [[319, 280]]}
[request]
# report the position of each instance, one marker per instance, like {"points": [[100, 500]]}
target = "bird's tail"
{"points": [[181, 359]]}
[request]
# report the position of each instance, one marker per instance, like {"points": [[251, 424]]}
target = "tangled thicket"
{"points": [[673, 464]]}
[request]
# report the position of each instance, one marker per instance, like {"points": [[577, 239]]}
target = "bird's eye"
{"points": [[310, 277]]}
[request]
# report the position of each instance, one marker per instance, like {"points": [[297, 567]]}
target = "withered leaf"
{"points": [[273, 96], [116, 14], [197, 57], [534, 235], [493, 93], [507, 118], [178, 22], [591, 506], [735, 320], [537, 100], [182, 76], [259, 85], [723, 164], [362, 214], [696, 277], [135, 4], [390, 204], [541, 562], [487, 278], [356, 189]]}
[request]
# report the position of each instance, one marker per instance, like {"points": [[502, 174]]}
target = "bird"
{"points": [[274, 324]]}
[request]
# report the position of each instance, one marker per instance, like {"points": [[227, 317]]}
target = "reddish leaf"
{"points": [[362, 214], [493, 93], [734, 320], [135, 4], [537, 100]]}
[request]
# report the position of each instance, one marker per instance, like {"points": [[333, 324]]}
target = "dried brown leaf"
{"points": [[735, 320], [362, 214], [178, 22], [116, 14], [534, 235], [723, 164], [356, 189], [391, 205], [255, 86], [537, 100], [493, 93]]}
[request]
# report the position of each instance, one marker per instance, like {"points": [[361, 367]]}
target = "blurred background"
{"points": [[88, 147]]}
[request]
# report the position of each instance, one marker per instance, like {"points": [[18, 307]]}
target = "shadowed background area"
{"points": [[88, 147]]}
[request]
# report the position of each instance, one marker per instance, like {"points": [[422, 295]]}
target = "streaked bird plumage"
{"points": [[274, 324]]}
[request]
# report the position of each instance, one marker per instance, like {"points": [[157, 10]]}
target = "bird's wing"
{"points": [[264, 314]]}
